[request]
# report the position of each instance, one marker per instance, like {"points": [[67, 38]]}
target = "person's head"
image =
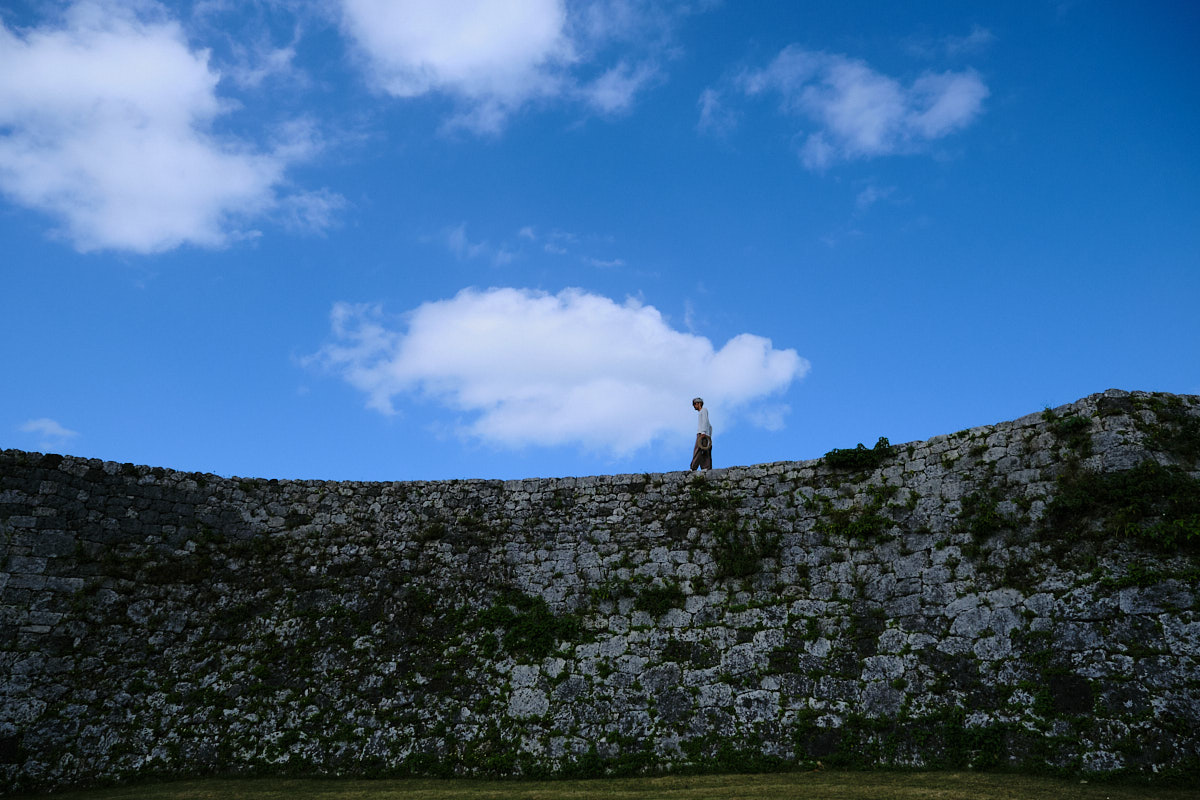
{"points": [[697, 403]]}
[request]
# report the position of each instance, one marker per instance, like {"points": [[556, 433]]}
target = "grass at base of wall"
{"points": [[823, 784]]}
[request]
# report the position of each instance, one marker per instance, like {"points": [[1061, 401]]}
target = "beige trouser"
{"points": [[701, 458]]}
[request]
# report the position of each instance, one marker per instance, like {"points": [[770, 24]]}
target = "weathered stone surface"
{"points": [[527, 703], [154, 622]]}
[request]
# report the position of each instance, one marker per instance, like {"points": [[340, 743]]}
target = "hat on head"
{"points": [[699, 400]]}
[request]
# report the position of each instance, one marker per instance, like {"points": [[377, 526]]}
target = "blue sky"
{"points": [[414, 240]]}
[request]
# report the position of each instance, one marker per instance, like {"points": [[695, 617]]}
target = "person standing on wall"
{"points": [[702, 454]]}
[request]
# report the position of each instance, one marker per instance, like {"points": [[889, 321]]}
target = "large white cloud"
{"points": [[857, 112], [106, 125], [496, 53], [495, 56], [573, 368]]}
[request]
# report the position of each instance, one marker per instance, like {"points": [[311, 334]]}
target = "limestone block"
{"points": [[631, 664], [966, 603], [525, 675], [881, 587], [880, 699], [993, 648], [911, 566], [955, 645], [892, 640], [883, 668], [1077, 636], [757, 706], [1004, 621], [741, 659], [613, 647], [767, 640], [24, 581], [1008, 463], [676, 618], [675, 705], [1004, 597], [1154, 599], [570, 689], [818, 647], [526, 703], [21, 711], [901, 607], [1182, 637], [717, 695], [26, 565], [659, 679], [53, 544]]}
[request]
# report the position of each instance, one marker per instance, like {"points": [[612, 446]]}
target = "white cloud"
{"points": [[944, 103], [106, 126], [615, 90], [857, 112], [530, 368], [495, 57], [51, 435]]}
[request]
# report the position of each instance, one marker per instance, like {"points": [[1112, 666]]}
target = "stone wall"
{"points": [[1018, 595]]}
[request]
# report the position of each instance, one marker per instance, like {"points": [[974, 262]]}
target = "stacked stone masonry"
{"points": [[935, 604]]}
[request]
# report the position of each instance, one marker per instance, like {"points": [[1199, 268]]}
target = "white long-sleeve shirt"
{"points": [[704, 427]]}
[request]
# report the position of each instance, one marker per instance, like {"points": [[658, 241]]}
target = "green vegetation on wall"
{"points": [[860, 458], [1151, 503]]}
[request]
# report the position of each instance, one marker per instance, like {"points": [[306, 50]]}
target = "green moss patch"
{"points": [[531, 629], [1150, 503]]}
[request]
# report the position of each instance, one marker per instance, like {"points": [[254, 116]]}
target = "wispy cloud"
{"points": [[309, 212], [530, 368], [715, 116], [260, 63], [614, 91], [852, 111], [464, 249], [529, 242], [562, 243], [106, 125], [972, 43], [872, 194], [49, 433], [978, 40]]}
